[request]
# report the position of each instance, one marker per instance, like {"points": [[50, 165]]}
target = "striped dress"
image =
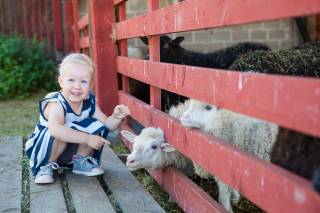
{"points": [[39, 145]]}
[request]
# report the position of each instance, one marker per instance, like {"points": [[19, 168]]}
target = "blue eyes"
{"points": [[82, 82], [154, 147]]}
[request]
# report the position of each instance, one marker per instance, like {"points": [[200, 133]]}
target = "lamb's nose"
{"points": [[130, 161], [185, 117]]}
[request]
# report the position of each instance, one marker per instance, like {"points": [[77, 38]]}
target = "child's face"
{"points": [[76, 83]]}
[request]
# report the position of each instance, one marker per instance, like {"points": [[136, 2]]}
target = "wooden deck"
{"points": [[87, 193]]}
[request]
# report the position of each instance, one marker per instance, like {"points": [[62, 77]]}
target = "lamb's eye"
{"points": [[208, 107], [154, 146]]}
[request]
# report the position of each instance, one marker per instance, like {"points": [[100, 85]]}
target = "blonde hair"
{"points": [[76, 59]]}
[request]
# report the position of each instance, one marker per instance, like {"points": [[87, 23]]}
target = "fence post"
{"points": [[68, 21], [104, 53], [75, 25], [154, 47]]}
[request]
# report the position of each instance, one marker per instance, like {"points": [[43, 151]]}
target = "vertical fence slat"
{"points": [[154, 49], [104, 53], [75, 25], [68, 21], [57, 25]]}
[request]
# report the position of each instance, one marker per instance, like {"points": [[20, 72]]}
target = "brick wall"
{"points": [[276, 34]]}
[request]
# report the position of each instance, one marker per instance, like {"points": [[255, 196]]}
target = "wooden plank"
{"points": [[27, 25], [57, 31], [46, 197], [104, 54], [237, 91], [68, 21], [204, 14], [117, 2], [84, 42], [76, 33], [189, 196], [270, 187], [11, 174], [128, 192], [87, 194], [83, 22]]}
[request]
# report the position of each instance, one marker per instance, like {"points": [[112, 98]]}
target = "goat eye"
{"points": [[208, 107], [154, 147]]}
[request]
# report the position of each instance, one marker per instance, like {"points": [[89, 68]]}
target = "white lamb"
{"points": [[249, 134], [150, 151]]}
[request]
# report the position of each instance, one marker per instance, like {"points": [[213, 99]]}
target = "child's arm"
{"points": [[112, 122], [58, 130]]}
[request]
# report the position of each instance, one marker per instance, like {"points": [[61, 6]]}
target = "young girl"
{"points": [[71, 126]]}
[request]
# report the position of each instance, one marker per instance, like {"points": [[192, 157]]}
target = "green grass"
{"points": [[18, 117]]}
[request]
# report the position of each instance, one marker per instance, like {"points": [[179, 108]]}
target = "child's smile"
{"points": [[75, 84]]}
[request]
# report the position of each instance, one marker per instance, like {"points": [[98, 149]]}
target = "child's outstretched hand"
{"points": [[96, 142], [120, 112]]}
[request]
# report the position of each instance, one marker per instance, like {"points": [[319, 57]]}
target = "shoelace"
{"points": [[90, 159], [43, 169]]}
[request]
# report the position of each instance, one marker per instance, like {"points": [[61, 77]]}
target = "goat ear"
{"points": [[165, 147], [177, 41], [145, 40], [128, 135]]}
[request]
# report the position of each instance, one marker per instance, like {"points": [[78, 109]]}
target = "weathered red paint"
{"points": [[270, 187], [292, 102], [154, 49], [84, 43], [189, 196], [117, 2], [104, 53], [83, 22], [19, 12], [57, 12], [76, 35], [35, 18], [203, 14], [68, 19]]}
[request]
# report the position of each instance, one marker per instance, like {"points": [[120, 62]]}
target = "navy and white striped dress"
{"points": [[39, 145]]}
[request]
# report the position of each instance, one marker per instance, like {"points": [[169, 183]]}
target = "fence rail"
{"points": [[291, 102]]}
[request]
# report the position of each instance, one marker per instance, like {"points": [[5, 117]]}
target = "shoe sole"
{"points": [[43, 181], [89, 174]]}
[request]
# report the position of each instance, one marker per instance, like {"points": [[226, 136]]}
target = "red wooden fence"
{"points": [[291, 102], [270, 187]]}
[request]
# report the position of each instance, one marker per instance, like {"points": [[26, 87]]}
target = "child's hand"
{"points": [[96, 142], [120, 112]]}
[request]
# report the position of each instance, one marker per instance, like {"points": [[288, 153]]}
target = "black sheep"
{"points": [[172, 52], [316, 179]]}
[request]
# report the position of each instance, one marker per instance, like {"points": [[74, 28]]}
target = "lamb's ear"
{"points": [[165, 147], [144, 40], [177, 41], [128, 135]]}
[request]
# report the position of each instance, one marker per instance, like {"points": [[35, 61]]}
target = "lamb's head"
{"points": [[170, 49], [149, 149], [198, 114]]}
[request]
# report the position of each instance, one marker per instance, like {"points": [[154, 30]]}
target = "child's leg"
{"points": [[84, 150], [57, 148]]}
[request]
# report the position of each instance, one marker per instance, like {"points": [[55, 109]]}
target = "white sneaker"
{"points": [[45, 174]]}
